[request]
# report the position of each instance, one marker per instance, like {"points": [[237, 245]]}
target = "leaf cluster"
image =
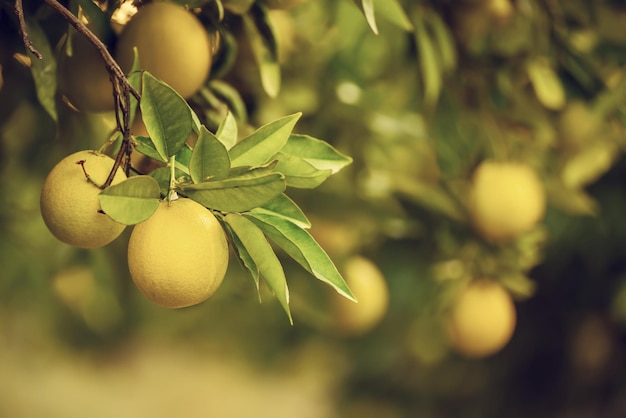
{"points": [[243, 181]]}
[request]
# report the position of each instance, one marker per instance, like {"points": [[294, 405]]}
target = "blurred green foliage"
{"points": [[418, 106]]}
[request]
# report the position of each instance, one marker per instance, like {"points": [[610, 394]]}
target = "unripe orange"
{"points": [[70, 205], [482, 319], [83, 77], [179, 256], [506, 199], [369, 286], [172, 45]]}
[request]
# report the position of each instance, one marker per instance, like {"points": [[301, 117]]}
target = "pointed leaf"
{"points": [[183, 159], [237, 194], [444, 42], [546, 83], [393, 12], [429, 196], [263, 256], [264, 48], [520, 285], [258, 148], [367, 7], [229, 95], [227, 132], [98, 20], [44, 70], [245, 258], [162, 176], [166, 116], [209, 159], [134, 79], [428, 60], [238, 6], [147, 148], [283, 207], [301, 246], [299, 173], [132, 201], [316, 152]]}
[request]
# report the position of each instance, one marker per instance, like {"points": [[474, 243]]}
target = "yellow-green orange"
{"points": [[172, 44], [506, 199], [368, 285], [482, 319], [70, 206], [179, 256], [83, 77]]}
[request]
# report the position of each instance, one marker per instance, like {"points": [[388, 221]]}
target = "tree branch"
{"points": [[110, 63], [122, 89], [19, 11]]}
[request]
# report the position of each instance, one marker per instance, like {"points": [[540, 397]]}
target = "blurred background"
{"points": [[442, 86]]}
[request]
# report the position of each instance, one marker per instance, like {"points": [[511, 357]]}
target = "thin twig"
{"points": [[19, 11], [110, 63], [122, 89], [122, 104]]}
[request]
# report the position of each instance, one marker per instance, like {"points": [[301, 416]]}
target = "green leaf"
{"points": [[263, 255], [520, 285], [245, 258], [572, 201], [162, 176], [134, 79], [299, 173], [183, 159], [229, 95], [259, 147], [132, 201], [547, 84], [98, 20], [147, 148], [316, 152], [283, 207], [227, 132], [237, 194], [166, 116], [44, 70], [263, 43], [367, 7], [393, 12], [209, 159], [429, 196], [196, 125], [238, 6], [428, 60], [444, 42], [301, 246], [586, 166]]}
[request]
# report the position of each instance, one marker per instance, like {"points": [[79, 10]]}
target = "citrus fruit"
{"points": [[172, 45], [69, 201], [83, 77], [178, 257], [482, 319], [368, 285], [506, 199]]}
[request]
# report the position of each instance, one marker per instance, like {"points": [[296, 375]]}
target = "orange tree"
{"points": [[478, 132]]}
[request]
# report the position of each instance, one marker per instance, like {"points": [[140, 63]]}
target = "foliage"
{"points": [[419, 94]]}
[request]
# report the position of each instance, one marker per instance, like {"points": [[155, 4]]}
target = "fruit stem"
{"points": [[171, 194], [87, 176]]}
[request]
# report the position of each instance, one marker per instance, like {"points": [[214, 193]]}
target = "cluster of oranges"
{"points": [[177, 258], [505, 200], [171, 43]]}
